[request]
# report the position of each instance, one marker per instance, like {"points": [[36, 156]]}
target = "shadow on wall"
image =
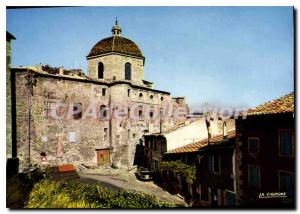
{"points": [[138, 154]]}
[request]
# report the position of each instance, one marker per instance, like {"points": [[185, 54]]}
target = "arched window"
{"points": [[100, 70], [127, 71]]}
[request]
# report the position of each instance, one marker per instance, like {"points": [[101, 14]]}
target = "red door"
{"points": [[103, 157]]}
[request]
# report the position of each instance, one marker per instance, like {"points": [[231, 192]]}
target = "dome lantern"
{"points": [[116, 29]]}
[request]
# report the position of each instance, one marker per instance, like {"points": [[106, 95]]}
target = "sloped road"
{"points": [[116, 179]]}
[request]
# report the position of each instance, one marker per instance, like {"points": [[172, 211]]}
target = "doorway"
{"points": [[214, 198], [102, 157]]}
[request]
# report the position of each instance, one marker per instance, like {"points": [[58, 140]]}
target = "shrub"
{"points": [[179, 169], [72, 194]]}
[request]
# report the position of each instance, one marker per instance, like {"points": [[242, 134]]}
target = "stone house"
{"points": [[65, 116], [265, 155]]}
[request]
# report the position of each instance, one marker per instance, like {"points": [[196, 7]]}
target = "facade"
{"points": [[265, 158], [214, 159], [216, 172], [213, 154], [64, 116]]}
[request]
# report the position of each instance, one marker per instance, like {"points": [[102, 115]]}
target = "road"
{"points": [[117, 179]]}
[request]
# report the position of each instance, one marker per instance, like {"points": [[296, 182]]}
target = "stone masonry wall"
{"points": [[53, 136], [8, 102], [114, 66]]}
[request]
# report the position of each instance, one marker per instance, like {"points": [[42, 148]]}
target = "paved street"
{"points": [[116, 179]]}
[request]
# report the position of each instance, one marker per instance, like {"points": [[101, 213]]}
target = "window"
{"points": [[286, 182], [151, 96], [72, 137], [44, 139], [230, 198], [285, 143], [155, 145], [49, 107], [147, 144], [204, 193], [151, 144], [103, 112], [151, 114], [105, 134], [127, 71], [140, 95], [100, 70], [253, 146], [214, 163], [128, 92], [253, 176], [77, 111], [163, 147], [128, 112], [103, 92], [128, 133], [162, 98], [140, 112]]}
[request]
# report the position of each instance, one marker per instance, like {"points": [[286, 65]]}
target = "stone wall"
{"points": [[54, 136], [8, 101]]}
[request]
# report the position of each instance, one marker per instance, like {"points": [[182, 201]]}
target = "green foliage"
{"points": [[72, 194], [177, 168]]}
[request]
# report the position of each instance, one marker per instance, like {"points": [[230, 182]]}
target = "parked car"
{"points": [[144, 173]]}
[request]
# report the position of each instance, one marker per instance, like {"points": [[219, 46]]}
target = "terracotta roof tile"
{"points": [[193, 147], [281, 105], [116, 44]]}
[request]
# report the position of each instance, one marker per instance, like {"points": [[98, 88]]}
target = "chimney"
{"points": [[207, 121], [61, 70]]}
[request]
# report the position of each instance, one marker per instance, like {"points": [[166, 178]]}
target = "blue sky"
{"points": [[232, 56]]}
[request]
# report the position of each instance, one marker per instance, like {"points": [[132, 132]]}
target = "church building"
{"points": [[65, 116]]}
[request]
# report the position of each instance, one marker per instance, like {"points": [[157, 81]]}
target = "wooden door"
{"points": [[103, 157]]}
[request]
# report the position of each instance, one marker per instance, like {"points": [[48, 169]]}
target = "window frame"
{"points": [[232, 192], [128, 72], [293, 143], [212, 164], [98, 70], [77, 116], [258, 147], [103, 92], [259, 176], [287, 172]]}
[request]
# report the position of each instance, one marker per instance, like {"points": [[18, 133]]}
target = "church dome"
{"points": [[116, 44]]}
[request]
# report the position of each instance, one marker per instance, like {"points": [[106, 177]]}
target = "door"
{"points": [[103, 157]]}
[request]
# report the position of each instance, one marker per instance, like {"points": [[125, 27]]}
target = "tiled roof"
{"points": [[116, 44], [193, 147], [281, 105]]}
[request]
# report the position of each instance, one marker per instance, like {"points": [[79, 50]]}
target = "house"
{"points": [[214, 159], [211, 151], [265, 155]]}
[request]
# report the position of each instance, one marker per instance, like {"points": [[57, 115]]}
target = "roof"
{"points": [[193, 147], [9, 36], [116, 44], [283, 104], [82, 78]]}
